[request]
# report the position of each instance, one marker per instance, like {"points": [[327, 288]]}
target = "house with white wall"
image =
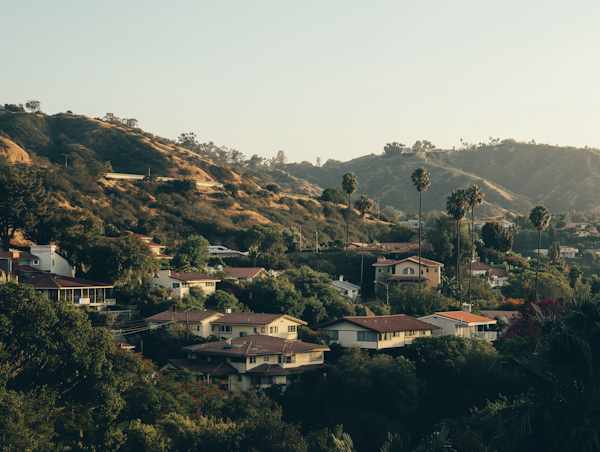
{"points": [[498, 277], [463, 324], [406, 271], [180, 283], [198, 322], [246, 274], [346, 289], [255, 361], [50, 261], [376, 332], [568, 252], [224, 252], [478, 268], [232, 325]]}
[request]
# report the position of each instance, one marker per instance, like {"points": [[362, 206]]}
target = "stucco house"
{"points": [[498, 277], [180, 283], [254, 361], [246, 274], [197, 321], [44, 258], [245, 324], [406, 271], [346, 289], [156, 248], [376, 332], [461, 323], [568, 251], [479, 268]]}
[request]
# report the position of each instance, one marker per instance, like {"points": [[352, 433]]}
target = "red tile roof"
{"points": [[52, 281], [256, 345], [190, 276], [27, 268], [477, 266], [384, 323], [463, 316], [193, 316], [385, 263], [243, 272], [274, 369], [211, 368], [164, 256], [498, 272], [425, 262], [155, 245], [407, 278], [253, 319]]}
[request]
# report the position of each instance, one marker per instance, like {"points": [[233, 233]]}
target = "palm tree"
{"points": [[420, 179], [349, 184], [474, 197], [539, 218], [363, 205], [574, 276], [456, 206]]}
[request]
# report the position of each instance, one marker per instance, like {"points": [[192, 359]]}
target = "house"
{"points": [[246, 274], [45, 259], [498, 277], [181, 282], [221, 251], [406, 271], [156, 248], [587, 232], [579, 226], [480, 224], [346, 289], [479, 268], [246, 324], [254, 361], [413, 223], [507, 317], [568, 251], [198, 322], [80, 292], [543, 251], [461, 323], [376, 332]]}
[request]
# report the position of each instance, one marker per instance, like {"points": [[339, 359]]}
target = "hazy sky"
{"points": [[329, 79]]}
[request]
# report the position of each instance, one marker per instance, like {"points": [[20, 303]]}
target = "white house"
{"points": [[498, 277], [568, 251], [376, 332], [346, 289], [50, 261], [479, 268], [464, 324], [255, 361], [222, 251], [181, 282], [414, 223], [198, 322], [246, 324], [543, 251]]}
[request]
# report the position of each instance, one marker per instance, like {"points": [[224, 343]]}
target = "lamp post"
{"points": [[66, 162], [387, 292]]}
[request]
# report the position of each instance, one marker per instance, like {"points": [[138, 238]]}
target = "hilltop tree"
{"points": [[363, 205], [539, 218], [188, 141], [33, 106], [422, 146], [456, 206], [474, 197], [391, 149], [420, 179], [22, 203], [349, 184]]}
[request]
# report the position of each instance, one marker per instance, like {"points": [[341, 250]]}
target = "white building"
{"points": [[568, 251], [464, 324], [246, 324], [50, 261], [222, 251], [346, 289], [198, 322], [414, 223], [180, 283], [498, 277]]}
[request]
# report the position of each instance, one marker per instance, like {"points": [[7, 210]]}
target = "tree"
{"points": [[539, 218], [474, 197], [349, 184], [33, 106], [363, 205], [420, 179], [318, 161], [423, 146], [497, 237], [334, 195], [574, 276], [456, 206], [221, 301], [391, 149], [23, 203], [193, 253], [188, 141], [410, 300]]}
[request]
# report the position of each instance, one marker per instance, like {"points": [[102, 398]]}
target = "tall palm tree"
{"points": [[474, 197], [363, 205], [456, 206], [349, 184], [539, 218], [420, 179]]}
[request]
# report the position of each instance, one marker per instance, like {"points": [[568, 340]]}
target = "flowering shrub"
{"points": [[527, 325]]}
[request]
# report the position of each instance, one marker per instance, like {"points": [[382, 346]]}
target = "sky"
{"points": [[329, 79]]}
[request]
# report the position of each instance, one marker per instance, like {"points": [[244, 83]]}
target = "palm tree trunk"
{"points": [[458, 260], [347, 224], [471, 259], [420, 198], [362, 257], [537, 272]]}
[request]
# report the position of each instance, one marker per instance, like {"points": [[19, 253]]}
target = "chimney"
{"points": [[228, 311], [15, 263], [342, 278], [466, 307]]}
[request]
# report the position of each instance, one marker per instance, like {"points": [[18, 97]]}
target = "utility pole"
{"points": [[187, 325], [148, 172], [66, 161], [300, 237], [317, 240], [378, 208]]}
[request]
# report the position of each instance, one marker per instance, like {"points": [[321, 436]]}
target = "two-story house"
{"points": [[406, 271], [376, 332], [568, 251], [254, 361], [246, 324], [180, 283], [464, 324], [198, 322], [476, 267]]}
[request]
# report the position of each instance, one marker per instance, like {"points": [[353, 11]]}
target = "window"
{"points": [[378, 270], [409, 333], [176, 285], [408, 271], [224, 328], [367, 336], [274, 329], [242, 334], [264, 380], [436, 270], [197, 327], [333, 334], [239, 377], [252, 360], [213, 328], [315, 356], [265, 359], [292, 329], [427, 270], [287, 359], [36, 262]]}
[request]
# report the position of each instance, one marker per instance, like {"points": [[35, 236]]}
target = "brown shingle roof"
{"points": [[191, 276], [253, 319], [426, 262], [407, 278], [498, 272], [256, 345], [52, 281], [385, 263], [243, 272], [385, 323], [193, 316], [212, 368]]}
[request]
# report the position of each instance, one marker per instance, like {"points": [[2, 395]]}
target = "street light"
{"points": [[65, 159], [387, 292]]}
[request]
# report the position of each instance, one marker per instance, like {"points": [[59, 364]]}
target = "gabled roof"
{"points": [[243, 272], [477, 266], [192, 316], [425, 262], [510, 315], [462, 316], [385, 263], [191, 277], [52, 281], [345, 285], [255, 345], [274, 369], [206, 367], [499, 272], [29, 269], [253, 319], [384, 323]]}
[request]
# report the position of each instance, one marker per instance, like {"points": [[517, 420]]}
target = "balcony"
{"points": [[487, 335]]}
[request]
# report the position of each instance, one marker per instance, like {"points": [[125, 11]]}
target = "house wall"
{"points": [[347, 337], [281, 324], [428, 272], [51, 261], [163, 279], [202, 328]]}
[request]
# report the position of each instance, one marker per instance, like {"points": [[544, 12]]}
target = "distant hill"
{"points": [[514, 176]]}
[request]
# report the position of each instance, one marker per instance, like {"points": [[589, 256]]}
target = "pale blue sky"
{"points": [[335, 79]]}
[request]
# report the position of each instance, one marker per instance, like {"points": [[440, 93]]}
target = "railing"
{"points": [[487, 335]]}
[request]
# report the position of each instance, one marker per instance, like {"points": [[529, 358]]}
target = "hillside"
{"points": [[514, 176]]}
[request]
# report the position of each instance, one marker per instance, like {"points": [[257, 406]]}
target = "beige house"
{"points": [[479, 268], [254, 361], [464, 324], [246, 324], [246, 274], [156, 248], [376, 332], [406, 271], [180, 283], [197, 321]]}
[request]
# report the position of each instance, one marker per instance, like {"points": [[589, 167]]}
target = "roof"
{"points": [[156, 245], [256, 345], [510, 315], [192, 316], [243, 272], [415, 259], [26, 255], [384, 323], [274, 369], [345, 285], [462, 316], [385, 263], [477, 266], [407, 278], [254, 319], [206, 367], [28, 268], [164, 256], [191, 276], [366, 312], [499, 272], [52, 281]]}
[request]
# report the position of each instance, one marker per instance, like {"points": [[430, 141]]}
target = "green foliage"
{"points": [[442, 235], [552, 284], [220, 301], [412, 301], [495, 236], [193, 253], [334, 195]]}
